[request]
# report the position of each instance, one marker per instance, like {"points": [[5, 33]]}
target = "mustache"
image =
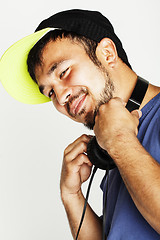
{"points": [[72, 98]]}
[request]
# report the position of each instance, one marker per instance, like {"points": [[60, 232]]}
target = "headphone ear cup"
{"points": [[98, 156]]}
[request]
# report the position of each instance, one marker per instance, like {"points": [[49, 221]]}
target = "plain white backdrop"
{"points": [[32, 138]]}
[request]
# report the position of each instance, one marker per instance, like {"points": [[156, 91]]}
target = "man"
{"points": [[81, 66]]}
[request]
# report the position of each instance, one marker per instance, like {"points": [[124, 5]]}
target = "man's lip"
{"points": [[77, 104]]}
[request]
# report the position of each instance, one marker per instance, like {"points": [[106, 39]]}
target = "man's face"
{"points": [[76, 86]]}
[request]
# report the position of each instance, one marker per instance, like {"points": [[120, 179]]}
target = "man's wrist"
{"points": [[121, 142], [67, 198]]}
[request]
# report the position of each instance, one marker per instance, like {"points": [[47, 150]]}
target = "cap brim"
{"points": [[14, 75]]}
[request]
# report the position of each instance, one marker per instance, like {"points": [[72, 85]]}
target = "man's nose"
{"points": [[63, 94]]}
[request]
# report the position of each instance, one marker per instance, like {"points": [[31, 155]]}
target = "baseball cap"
{"points": [[14, 74]]}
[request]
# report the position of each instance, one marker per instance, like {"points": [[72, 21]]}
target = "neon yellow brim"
{"points": [[13, 71]]}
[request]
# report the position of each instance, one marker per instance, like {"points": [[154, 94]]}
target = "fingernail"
{"points": [[139, 113]]}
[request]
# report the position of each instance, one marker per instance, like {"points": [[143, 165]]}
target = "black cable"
{"points": [[105, 205], [86, 200]]}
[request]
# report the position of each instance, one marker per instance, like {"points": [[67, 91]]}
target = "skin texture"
{"points": [[79, 88]]}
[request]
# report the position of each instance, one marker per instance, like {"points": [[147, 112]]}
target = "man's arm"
{"points": [[140, 172], [76, 169], [141, 175]]}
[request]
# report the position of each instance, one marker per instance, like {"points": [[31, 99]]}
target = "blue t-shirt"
{"points": [[124, 221]]}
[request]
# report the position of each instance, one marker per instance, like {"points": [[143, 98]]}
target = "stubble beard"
{"points": [[105, 96]]}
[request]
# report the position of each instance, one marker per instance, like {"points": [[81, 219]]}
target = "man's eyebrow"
{"points": [[54, 67]]}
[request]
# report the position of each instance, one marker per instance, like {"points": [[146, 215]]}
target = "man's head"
{"points": [[74, 47], [67, 70], [78, 91]]}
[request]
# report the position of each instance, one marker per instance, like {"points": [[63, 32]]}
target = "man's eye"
{"points": [[63, 73], [51, 93]]}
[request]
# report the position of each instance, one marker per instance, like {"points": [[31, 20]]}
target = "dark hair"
{"points": [[35, 55]]}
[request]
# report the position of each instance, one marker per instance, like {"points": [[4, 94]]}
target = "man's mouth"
{"points": [[77, 105]]}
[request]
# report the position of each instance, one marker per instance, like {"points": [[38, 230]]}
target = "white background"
{"points": [[32, 138]]}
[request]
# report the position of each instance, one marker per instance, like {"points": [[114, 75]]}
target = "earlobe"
{"points": [[106, 52]]}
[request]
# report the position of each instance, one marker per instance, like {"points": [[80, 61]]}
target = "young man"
{"points": [[77, 61]]}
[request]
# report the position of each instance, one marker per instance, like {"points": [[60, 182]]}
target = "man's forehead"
{"points": [[61, 44], [58, 42], [61, 50]]}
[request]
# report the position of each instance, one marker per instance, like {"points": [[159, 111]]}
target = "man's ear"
{"points": [[106, 52]]}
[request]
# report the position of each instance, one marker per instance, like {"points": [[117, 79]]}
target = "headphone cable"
{"points": [[86, 201]]}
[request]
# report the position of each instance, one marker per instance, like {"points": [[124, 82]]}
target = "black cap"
{"points": [[91, 24]]}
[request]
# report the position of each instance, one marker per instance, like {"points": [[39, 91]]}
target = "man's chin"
{"points": [[90, 120], [89, 126]]}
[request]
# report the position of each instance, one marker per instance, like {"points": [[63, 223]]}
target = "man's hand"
{"points": [[114, 120], [76, 167]]}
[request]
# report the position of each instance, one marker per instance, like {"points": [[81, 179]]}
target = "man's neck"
{"points": [[125, 80]]}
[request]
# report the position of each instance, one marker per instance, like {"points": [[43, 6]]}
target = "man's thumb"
{"points": [[137, 113]]}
